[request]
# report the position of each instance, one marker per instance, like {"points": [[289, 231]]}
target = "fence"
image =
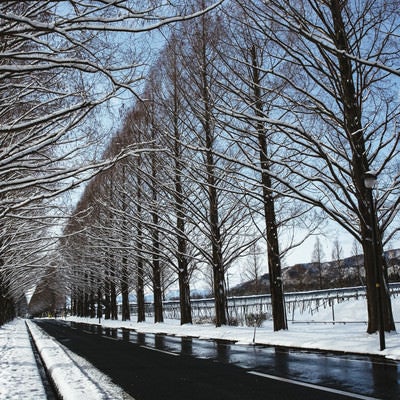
{"points": [[243, 307]]}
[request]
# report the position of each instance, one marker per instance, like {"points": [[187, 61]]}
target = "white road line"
{"points": [[310, 385], [160, 351]]}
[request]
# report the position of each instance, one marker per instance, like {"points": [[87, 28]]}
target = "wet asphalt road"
{"points": [[165, 367]]}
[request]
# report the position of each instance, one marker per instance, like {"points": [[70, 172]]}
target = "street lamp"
{"points": [[370, 179]]}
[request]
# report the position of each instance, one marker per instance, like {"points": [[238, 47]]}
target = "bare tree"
{"points": [[343, 51], [197, 47], [49, 296], [253, 267], [251, 96], [317, 258], [337, 258], [61, 64], [170, 109]]}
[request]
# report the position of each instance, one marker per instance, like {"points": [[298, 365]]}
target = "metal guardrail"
{"points": [[242, 307]]}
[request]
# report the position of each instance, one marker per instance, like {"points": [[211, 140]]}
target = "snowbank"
{"points": [[74, 377]]}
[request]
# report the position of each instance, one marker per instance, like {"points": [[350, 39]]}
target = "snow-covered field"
{"points": [[19, 377]]}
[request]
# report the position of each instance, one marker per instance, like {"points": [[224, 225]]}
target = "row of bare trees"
{"points": [[255, 117], [62, 66]]}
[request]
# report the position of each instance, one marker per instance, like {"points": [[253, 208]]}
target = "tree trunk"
{"points": [[157, 287], [126, 314], [274, 260], [85, 304], [113, 290], [141, 316], [183, 275], [92, 301], [7, 306], [218, 266], [184, 294], [157, 291], [215, 234], [141, 312], [274, 265], [99, 305], [107, 310]]}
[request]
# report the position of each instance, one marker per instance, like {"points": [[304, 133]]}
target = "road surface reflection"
{"points": [[369, 376]]}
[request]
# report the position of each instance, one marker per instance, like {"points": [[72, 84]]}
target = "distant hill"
{"points": [[312, 276]]}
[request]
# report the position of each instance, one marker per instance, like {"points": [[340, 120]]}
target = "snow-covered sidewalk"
{"points": [[73, 376], [19, 375]]}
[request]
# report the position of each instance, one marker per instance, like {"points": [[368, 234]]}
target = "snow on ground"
{"points": [[20, 379], [74, 377], [19, 375], [84, 381]]}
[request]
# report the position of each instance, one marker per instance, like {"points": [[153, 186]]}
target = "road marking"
{"points": [[160, 351], [310, 385]]}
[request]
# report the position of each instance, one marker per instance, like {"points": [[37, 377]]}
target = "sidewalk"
{"points": [[19, 374], [74, 377]]}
